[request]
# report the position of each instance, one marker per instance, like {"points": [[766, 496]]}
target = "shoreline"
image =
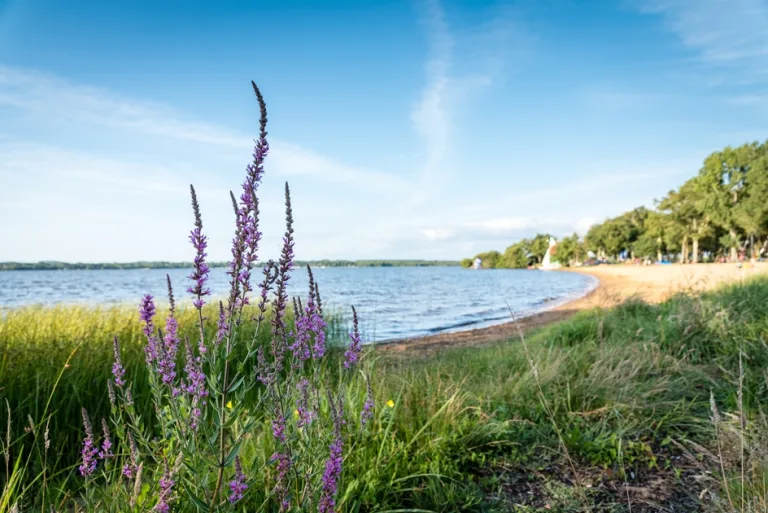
{"points": [[616, 284]]}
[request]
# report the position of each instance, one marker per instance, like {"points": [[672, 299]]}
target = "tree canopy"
{"points": [[722, 211]]}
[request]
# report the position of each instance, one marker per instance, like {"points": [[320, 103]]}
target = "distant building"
{"points": [[478, 263]]}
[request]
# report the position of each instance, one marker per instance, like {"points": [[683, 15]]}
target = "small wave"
{"points": [[464, 324]]}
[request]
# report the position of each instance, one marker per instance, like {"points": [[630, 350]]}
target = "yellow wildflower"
{"points": [[391, 403], [229, 404], [296, 413]]}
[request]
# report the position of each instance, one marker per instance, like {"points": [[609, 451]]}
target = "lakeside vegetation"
{"points": [[584, 406], [721, 213], [65, 266]]}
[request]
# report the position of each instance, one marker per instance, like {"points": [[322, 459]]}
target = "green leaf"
{"points": [[199, 504], [232, 454]]}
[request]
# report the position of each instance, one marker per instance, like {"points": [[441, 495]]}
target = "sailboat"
{"points": [[548, 264]]}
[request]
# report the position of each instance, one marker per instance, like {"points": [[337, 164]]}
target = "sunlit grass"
{"points": [[623, 386]]}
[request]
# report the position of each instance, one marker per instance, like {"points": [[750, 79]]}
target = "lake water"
{"points": [[392, 302]]}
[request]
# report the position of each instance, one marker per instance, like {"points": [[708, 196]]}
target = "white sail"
{"points": [[547, 263]]}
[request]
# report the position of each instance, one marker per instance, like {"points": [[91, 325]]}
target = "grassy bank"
{"points": [[561, 422]]}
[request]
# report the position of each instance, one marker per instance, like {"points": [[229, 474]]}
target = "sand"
{"points": [[619, 282]]}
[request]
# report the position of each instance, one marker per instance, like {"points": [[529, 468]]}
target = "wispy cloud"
{"points": [[53, 97], [430, 116], [49, 97], [484, 51], [724, 32]]}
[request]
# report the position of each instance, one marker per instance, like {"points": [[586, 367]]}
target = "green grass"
{"points": [[618, 395]]}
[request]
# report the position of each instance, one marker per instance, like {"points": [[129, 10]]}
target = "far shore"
{"points": [[617, 283]]}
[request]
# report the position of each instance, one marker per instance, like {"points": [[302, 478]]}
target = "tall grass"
{"points": [[38, 342], [624, 388]]}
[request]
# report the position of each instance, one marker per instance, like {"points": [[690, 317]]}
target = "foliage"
{"points": [[722, 210], [620, 384]]}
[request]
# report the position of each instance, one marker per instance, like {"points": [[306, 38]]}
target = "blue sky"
{"points": [[414, 129]]}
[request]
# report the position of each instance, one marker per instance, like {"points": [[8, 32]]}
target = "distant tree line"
{"points": [[56, 266], [722, 212]]}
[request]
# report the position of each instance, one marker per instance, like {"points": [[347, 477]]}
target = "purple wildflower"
{"points": [[278, 426], [221, 326], [166, 487], [248, 211], [285, 265], [353, 353], [317, 299], [266, 284], [129, 469], [146, 314], [263, 371], [314, 314], [367, 413], [237, 486], [281, 489], [301, 337], [309, 325], [305, 412], [117, 367], [166, 364], [89, 451], [333, 465], [111, 393], [195, 385], [106, 443], [238, 250], [199, 241]]}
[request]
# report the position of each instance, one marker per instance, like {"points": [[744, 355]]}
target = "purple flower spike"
{"points": [[331, 478], [278, 427], [353, 353], [146, 315], [305, 413], [111, 393], [237, 486], [129, 469], [195, 385], [367, 413], [333, 465], [166, 365], [282, 468], [117, 367], [106, 443], [247, 213], [166, 487], [221, 326], [199, 241], [89, 451], [284, 266]]}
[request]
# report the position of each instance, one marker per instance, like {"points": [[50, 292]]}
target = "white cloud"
{"points": [[724, 32], [431, 115], [438, 233], [51, 97], [482, 53]]}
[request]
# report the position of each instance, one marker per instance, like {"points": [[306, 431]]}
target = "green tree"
{"points": [[490, 259], [751, 213], [721, 184], [569, 249], [654, 240], [538, 246], [517, 256]]}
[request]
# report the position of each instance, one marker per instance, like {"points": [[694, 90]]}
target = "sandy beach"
{"points": [[617, 283]]}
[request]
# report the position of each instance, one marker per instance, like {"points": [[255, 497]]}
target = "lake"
{"points": [[392, 302]]}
